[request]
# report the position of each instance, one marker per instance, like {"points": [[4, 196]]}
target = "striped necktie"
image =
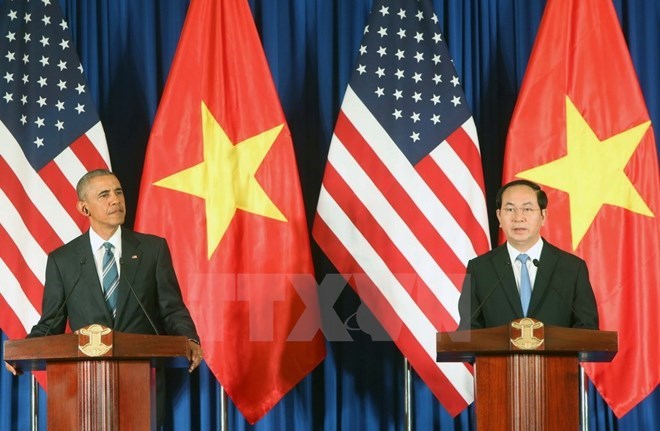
{"points": [[525, 283], [110, 279]]}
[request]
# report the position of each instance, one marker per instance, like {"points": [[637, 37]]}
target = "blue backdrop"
{"points": [[126, 48]]}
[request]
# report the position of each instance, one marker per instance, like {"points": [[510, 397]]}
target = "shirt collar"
{"points": [[97, 242], [534, 252]]}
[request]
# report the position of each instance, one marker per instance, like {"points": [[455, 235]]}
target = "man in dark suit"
{"points": [[113, 294], [558, 291]]}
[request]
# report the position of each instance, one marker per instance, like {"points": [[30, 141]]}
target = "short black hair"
{"points": [[541, 197], [81, 187]]}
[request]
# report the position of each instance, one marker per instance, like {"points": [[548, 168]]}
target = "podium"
{"points": [[526, 374], [99, 379]]}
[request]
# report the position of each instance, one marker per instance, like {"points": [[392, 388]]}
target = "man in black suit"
{"points": [[493, 293], [143, 269]]}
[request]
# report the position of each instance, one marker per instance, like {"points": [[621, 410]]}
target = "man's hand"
{"points": [[14, 370], [195, 355]]}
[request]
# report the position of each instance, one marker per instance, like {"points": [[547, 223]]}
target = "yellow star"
{"points": [[592, 172], [226, 178]]}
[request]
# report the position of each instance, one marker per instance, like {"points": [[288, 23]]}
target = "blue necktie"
{"points": [[525, 283], [110, 279]]}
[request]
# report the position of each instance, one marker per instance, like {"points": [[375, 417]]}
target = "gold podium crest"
{"points": [[95, 346], [531, 334]]}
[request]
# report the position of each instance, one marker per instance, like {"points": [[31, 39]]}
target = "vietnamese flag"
{"points": [[220, 182], [581, 129]]}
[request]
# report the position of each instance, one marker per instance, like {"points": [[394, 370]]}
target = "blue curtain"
{"points": [[127, 46]]}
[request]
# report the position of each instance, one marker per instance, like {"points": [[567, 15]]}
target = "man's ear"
{"points": [[82, 208]]}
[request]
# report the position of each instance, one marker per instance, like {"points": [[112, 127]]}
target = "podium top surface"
{"points": [[34, 353], [588, 345]]}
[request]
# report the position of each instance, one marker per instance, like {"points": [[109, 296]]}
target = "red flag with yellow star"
{"points": [[581, 129], [220, 183]]}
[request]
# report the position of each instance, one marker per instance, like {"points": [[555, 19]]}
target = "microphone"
{"points": [[575, 313], [75, 284], [492, 290], [144, 310]]}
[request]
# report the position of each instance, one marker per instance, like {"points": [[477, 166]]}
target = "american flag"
{"points": [[402, 205], [50, 135]]}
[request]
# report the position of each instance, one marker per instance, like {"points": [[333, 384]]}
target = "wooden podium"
{"points": [[99, 379], [526, 374]]}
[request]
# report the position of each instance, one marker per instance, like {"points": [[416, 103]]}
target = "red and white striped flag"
{"points": [[402, 205], [50, 135]]}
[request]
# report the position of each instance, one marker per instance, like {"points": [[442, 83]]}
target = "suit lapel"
{"points": [[549, 257], [130, 261], [502, 263]]}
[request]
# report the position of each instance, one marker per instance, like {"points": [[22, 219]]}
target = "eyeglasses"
{"points": [[526, 211]]}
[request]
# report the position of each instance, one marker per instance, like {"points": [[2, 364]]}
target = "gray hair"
{"points": [[81, 187]]}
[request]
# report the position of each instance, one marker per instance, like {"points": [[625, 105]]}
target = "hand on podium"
{"points": [[195, 354], [14, 370]]}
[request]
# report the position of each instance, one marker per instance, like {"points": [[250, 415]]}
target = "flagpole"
{"points": [[584, 402], [224, 419], [407, 395], [34, 404]]}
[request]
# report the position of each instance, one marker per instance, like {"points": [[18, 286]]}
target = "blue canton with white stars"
{"points": [[405, 77], [43, 93]]}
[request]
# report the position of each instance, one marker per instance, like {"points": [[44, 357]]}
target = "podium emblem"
{"points": [[95, 345], [529, 329]]}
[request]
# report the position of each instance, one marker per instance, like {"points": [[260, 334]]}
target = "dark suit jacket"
{"points": [[561, 296], [146, 266]]}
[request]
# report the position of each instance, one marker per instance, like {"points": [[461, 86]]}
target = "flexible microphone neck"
{"points": [[490, 293], [144, 310], [66, 299], [536, 263]]}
